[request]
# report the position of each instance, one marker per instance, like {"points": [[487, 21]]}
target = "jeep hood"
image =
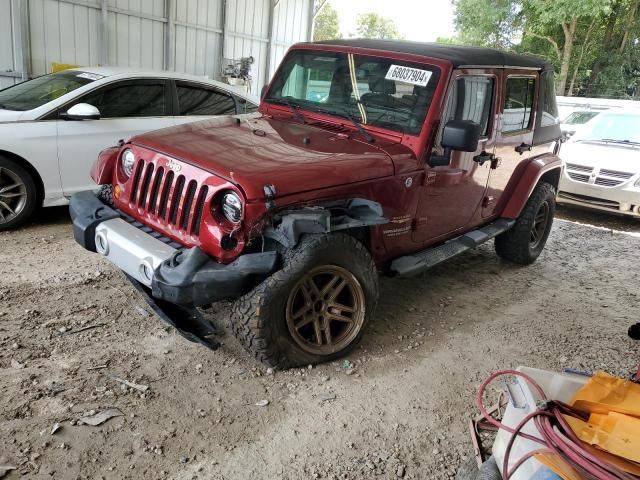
{"points": [[612, 156], [258, 151]]}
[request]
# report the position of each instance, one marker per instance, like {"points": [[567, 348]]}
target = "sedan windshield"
{"points": [[373, 91], [613, 128], [35, 93]]}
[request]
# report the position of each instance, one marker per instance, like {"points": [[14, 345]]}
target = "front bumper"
{"points": [[623, 199], [180, 276]]}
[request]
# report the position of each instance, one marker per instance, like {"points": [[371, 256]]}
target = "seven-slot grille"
{"points": [[604, 178], [169, 197]]}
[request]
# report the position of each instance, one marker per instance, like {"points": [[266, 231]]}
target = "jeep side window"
{"points": [[518, 103], [470, 99]]}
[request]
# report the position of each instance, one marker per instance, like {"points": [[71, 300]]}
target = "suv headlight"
{"points": [[232, 207], [127, 160], [637, 184]]}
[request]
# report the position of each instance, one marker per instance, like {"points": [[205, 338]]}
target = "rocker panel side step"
{"points": [[421, 261]]}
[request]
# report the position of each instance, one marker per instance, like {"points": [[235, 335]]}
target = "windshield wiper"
{"points": [[293, 107], [622, 142], [344, 113]]}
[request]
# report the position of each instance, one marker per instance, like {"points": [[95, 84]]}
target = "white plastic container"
{"points": [[556, 386]]}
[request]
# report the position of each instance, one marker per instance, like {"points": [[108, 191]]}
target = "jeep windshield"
{"points": [[619, 128], [378, 92]]}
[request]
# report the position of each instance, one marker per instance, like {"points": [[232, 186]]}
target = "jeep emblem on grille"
{"points": [[174, 166]]}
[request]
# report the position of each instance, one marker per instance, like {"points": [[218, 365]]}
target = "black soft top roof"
{"points": [[456, 54]]}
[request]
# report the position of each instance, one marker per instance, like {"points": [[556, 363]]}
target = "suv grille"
{"points": [[578, 177], [614, 173], [605, 178], [579, 168], [168, 198], [607, 182]]}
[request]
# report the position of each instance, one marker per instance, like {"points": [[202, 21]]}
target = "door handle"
{"points": [[484, 157], [523, 147]]}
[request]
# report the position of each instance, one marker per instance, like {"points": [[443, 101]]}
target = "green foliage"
{"points": [[594, 44], [372, 25], [326, 25], [488, 23]]}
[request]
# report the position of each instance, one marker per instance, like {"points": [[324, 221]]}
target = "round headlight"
{"points": [[232, 207], [127, 160]]}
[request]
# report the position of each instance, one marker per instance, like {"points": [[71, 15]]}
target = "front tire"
{"points": [[315, 308], [526, 240], [18, 194]]}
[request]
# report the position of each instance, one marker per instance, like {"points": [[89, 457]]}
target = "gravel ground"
{"points": [[397, 408]]}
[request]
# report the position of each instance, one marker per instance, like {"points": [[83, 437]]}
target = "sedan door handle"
{"points": [[523, 147]]}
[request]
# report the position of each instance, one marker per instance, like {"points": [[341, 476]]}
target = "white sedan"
{"points": [[602, 164], [53, 127]]}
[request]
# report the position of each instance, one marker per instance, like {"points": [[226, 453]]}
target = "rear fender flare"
{"points": [[546, 167]]}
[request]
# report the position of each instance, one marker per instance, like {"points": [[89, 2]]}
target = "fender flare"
{"points": [[102, 169], [546, 167], [325, 217]]}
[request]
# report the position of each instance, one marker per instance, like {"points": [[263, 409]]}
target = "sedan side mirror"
{"points": [[82, 111], [458, 135]]}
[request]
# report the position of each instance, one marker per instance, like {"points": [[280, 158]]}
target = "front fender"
{"points": [[547, 165], [103, 168]]}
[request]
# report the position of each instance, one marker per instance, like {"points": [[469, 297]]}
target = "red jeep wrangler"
{"points": [[365, 156]]}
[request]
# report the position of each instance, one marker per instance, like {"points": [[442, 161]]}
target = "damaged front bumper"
{"points": [[187, 278]]}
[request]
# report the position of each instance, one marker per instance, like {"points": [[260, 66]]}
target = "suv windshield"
{"points": [[380, 92], [578, 118], [612, 127], [35, 93]]}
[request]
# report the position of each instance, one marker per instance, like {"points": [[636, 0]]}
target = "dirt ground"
{"points": [[399, 408]]}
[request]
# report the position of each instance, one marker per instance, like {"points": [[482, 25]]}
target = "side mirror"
{"points": [[263, 91], [82, 111], [458, 135]]}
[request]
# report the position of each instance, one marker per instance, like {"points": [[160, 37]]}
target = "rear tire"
{"points": [[526, 240], [18, 194], [314, 309]]}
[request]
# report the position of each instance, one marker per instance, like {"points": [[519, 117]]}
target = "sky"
{"points": [[419, 20]]}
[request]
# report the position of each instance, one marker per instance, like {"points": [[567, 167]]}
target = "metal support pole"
{"points": [[20, 27], [104, 32], [223, 38], [169, 50], [272, 15], [310, 20]]}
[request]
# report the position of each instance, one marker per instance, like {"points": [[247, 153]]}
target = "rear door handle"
{"points": [[523, 147]]}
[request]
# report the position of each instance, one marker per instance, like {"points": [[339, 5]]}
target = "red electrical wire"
{"points": [[556, 437]]}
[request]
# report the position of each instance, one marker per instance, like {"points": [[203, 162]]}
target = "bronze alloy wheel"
{"points": [[325, 310], [539, 225]]}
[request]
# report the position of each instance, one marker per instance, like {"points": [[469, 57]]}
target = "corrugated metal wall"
{"points": [[10, 63], [182, 35]]}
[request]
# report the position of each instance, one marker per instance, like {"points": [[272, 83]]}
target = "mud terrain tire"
{"points": [[263, 319], [524, 242]]}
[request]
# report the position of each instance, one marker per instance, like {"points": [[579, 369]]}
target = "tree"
{"points": [[326, 25], [372, 25], [488, 23], [545, 14], [594, 44]]}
